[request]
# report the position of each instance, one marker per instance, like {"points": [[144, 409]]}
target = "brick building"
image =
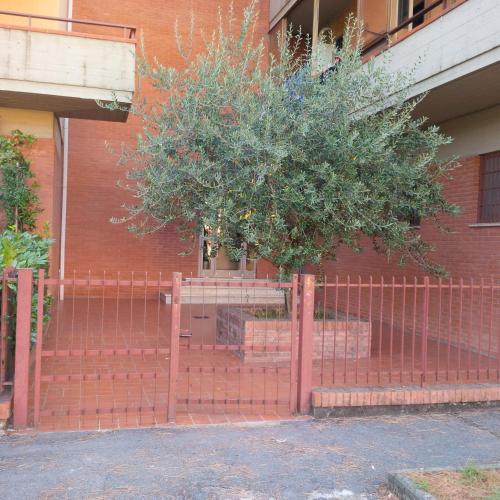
{"points": [[58, 57], [460, 72], [78, 172]]}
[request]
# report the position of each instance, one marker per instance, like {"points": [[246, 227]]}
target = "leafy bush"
{"points": [[25, 250], [18, 199], [20, 247]]}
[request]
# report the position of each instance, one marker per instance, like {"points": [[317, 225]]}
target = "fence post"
{"points": [[306, 325], [293, 345], [3, 329], [425, 328], [175, 328], [38, 346], [22, 352]]}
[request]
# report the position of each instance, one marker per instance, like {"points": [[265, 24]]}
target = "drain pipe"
{"points": [[62, 250]]}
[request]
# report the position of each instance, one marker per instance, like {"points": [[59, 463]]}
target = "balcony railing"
{"points": [[117, 30], [66, 65], [381, 40]]}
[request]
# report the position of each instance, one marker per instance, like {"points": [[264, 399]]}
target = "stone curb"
{"points": [[406, 489]]}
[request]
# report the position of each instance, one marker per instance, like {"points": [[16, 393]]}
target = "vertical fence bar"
{"points": [[450, 317], [357, 332], [336, 316], [39, 340], [3, 329], [479, 347], [425, 325], [346, 334], [414, 329], [461, 304], [403, 319], [370, 338], [293, 346], [471, 321], [322, 373], [498, 352], [440, 285], [391, 331], [490, 329], [92, 342], [175, 327], [22, 353], [306, 343], [381, 320]]}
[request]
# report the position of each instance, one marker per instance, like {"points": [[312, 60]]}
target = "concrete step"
{"points": [[5, 407], [220, 294]]}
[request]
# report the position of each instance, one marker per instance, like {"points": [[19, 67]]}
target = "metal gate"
{"points": [[238, 347], [104, 358], [108, 352]]}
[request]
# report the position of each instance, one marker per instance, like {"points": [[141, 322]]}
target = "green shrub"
{"points": [[25, 250], [18, 198]]}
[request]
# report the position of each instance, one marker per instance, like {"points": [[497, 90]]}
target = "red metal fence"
{"points": [[144, 350], [104, 359], [124, 352], [407, 332]]}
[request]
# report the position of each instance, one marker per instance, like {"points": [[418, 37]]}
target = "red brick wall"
{"points": [[265, 270], [46, 164], [93, 198]]}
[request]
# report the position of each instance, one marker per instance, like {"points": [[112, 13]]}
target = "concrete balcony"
{"points": [[455, 57], [66, 72], [277, 9]]}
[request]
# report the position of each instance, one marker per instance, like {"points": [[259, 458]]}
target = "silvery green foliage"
{"points": [[262, 150]]}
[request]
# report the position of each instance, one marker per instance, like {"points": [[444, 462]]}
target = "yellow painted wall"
{"points": [[38, 123], [377, 16], [56, 8]]}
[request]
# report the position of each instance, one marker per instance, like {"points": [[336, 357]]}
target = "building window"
{"points": [[489, 196], [409, 8], [403, 10], [418, 7]]}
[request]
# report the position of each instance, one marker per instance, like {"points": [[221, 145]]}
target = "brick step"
{"points": [[226, 279], [341, 401], [220, 294]]}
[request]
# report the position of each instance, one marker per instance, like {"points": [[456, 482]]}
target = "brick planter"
{"points": [[236, 326]]}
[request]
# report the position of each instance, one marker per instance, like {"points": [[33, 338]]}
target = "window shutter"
{"points": [[489, 201]]}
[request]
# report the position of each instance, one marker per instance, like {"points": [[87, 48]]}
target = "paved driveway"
{"points": [[343, 458]]}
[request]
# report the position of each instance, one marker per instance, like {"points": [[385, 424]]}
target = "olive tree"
{"points": [[268, 153]]}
